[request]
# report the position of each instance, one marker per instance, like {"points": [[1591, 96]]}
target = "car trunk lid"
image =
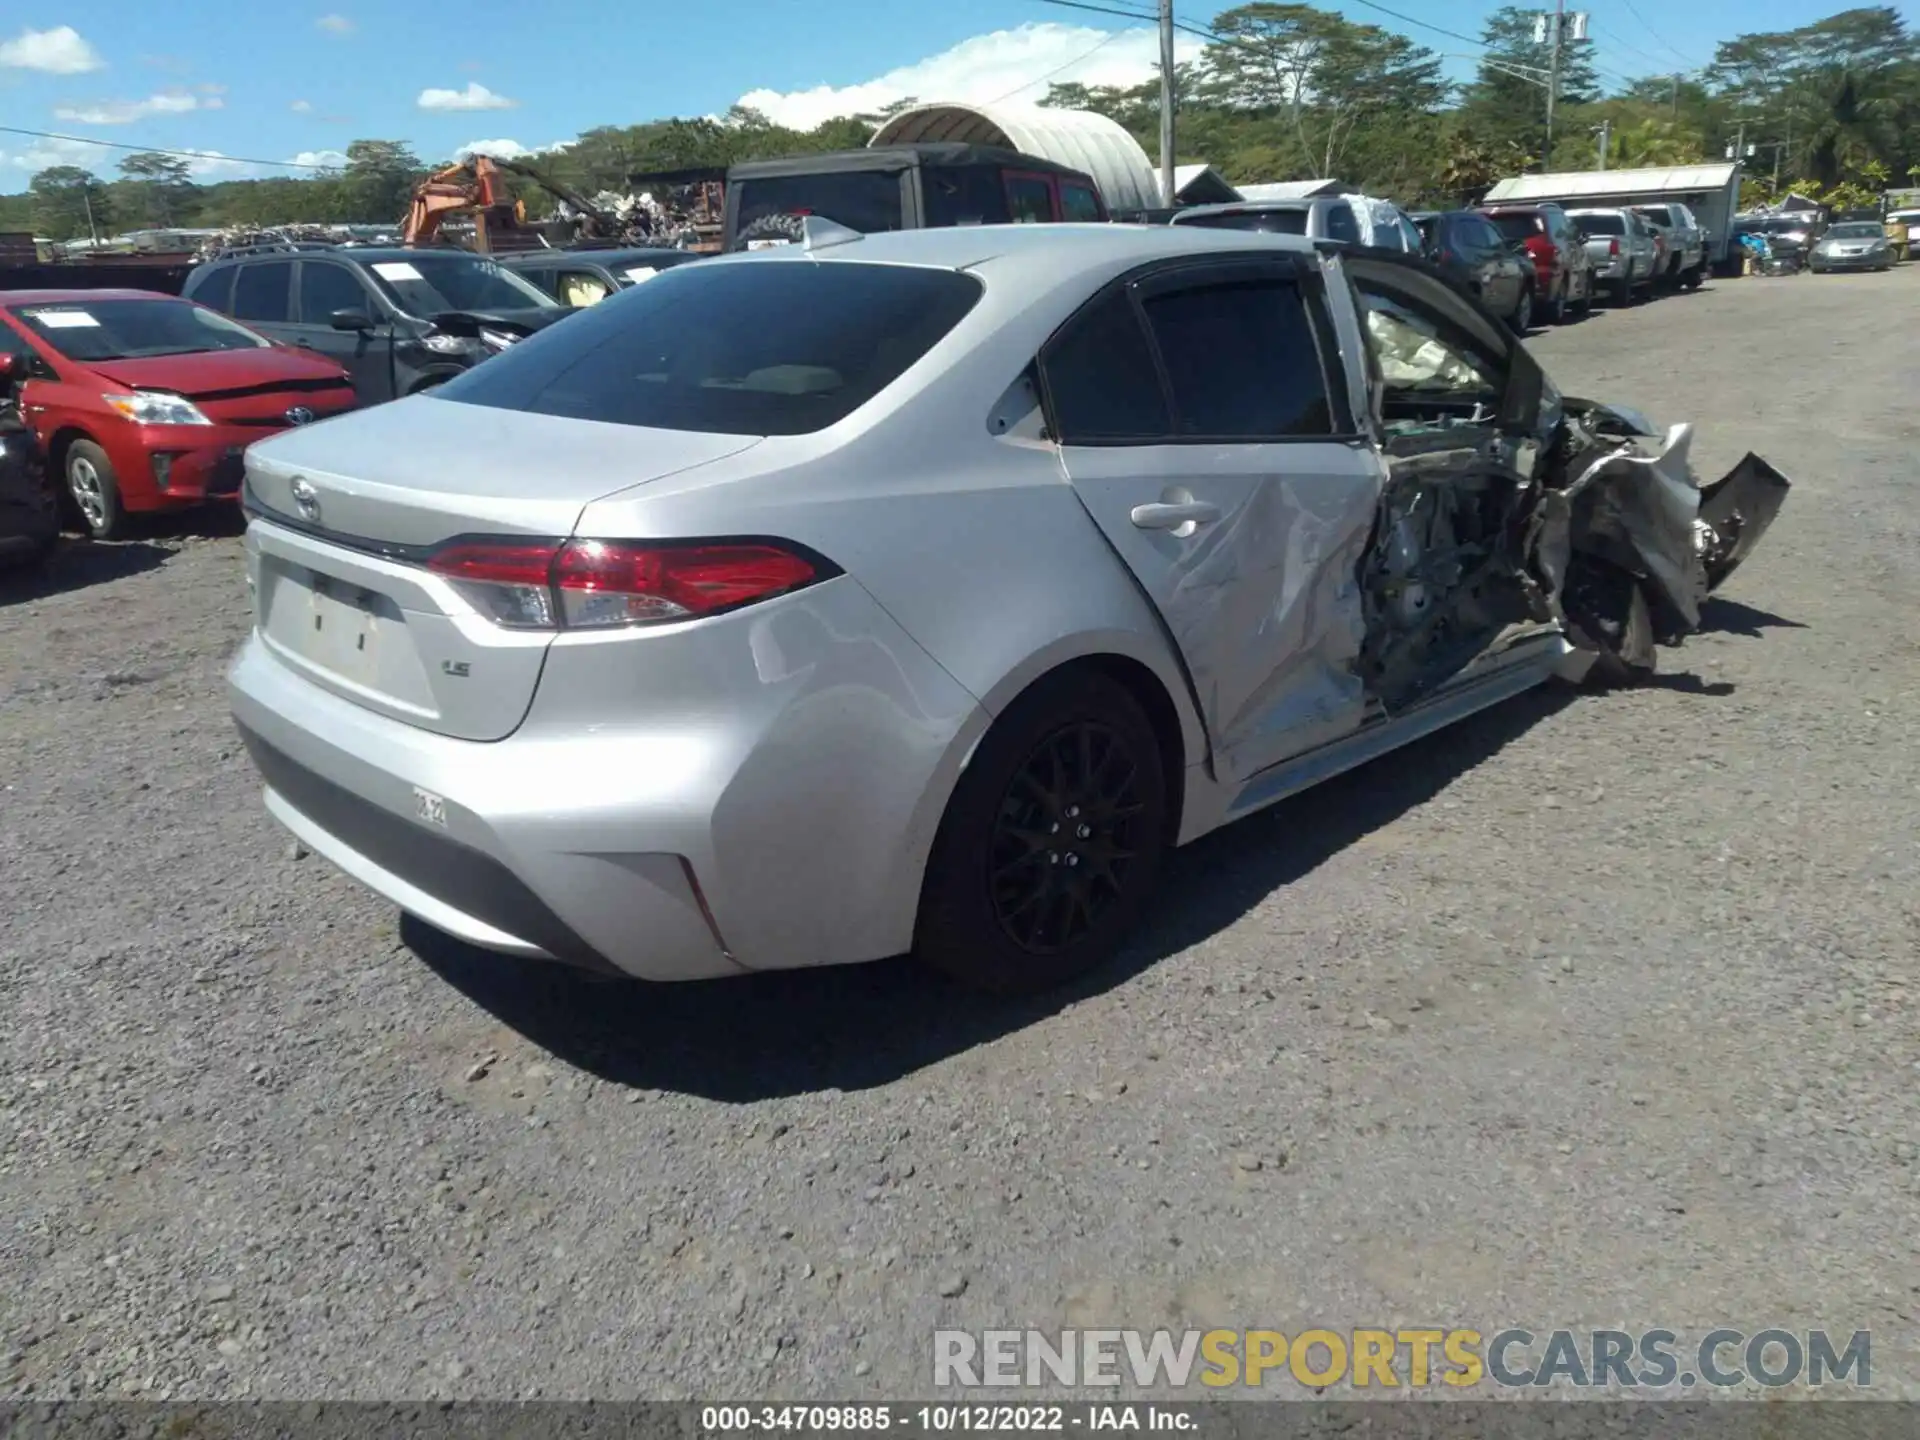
{"points": [[349, 514]]}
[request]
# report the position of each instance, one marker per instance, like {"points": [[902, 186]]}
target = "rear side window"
{"points": [[262, 291], [1602, 224], [863, 200], [1102, 385], [1516, 227], [1340, 222], [1077, 202], [963, 195], [1030, 199], [215, 289], [1242, 361], [760, 347]]}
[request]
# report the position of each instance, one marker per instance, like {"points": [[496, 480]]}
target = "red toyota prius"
{"points": [[147, 402]]}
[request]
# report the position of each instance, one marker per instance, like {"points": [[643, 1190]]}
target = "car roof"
{"points": [[14, 298], [1253, 207], [624, 255], [961, 247]]}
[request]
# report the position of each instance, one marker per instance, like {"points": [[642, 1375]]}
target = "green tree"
{"points": [[1325, 76], [161, 188], [377, 183], [70, 202]]}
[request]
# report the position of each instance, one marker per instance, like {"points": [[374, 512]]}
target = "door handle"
{"points": [[1172, 517]]}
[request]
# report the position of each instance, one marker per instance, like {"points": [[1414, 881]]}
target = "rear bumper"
{"points": [[769, 807]]}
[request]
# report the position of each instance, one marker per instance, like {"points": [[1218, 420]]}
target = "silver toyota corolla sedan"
{"points": [[918, 591]]}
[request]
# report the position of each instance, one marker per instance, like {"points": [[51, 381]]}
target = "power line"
{"points": [[1658, 38], [1115, 35], [156, 150]]}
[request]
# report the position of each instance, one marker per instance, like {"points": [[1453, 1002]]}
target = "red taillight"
{"points": [[594, 584], [1540, 247], [1613, 247]]}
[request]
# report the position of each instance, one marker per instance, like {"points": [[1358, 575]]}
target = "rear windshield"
{"points": [[1272, 222], [1516, 227], [427, 285], [863, 200], [1601, 224], [757, 347], [134, 329], [1857, 230]]}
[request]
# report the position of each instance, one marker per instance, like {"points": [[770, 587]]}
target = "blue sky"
{"points": [[290, 81]]}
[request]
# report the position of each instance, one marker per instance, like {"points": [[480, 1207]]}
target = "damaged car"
{"points": [[920, 591]]}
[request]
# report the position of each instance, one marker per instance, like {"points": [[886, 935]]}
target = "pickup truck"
{"points": [[1686, 262]]}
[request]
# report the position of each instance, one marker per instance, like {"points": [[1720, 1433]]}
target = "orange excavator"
{"points": [[477, 186]]}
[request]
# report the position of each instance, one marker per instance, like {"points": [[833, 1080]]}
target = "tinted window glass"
{"points": [[1485, 237], [327, 288], [579, 288], [1242, 361], [1515, 227], [215, 288], [1030, 199], [261, 291], [1077, 202], [863, 200], [755, 348], [1340, 222], [1272, 222], [963, 195], [1601, 224], [1101, 380], [1427, 227]]}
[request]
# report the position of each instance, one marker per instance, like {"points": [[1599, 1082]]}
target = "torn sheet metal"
{"points": [[1636, 513]]}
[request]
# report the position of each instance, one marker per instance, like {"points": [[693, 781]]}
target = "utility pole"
{"points": [[86, 199], [1559, 24], [1166, 101], [1676, 99], [1605, 132]]}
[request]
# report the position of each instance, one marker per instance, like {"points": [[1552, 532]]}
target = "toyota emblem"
{"points": [[307, 498], [299, 415]]}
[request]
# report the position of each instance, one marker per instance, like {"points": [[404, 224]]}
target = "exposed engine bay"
{"points": [[1594, 525]]}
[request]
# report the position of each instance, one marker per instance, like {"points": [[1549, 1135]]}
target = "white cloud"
{"points": [[475, 97], [984, 69], [56, 52], [125, 112], [45, 154], [499, 149], [336, 24], [301, 107], [332, 159]]}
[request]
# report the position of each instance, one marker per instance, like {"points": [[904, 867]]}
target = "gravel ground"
{"points": [[1594, 1010]]}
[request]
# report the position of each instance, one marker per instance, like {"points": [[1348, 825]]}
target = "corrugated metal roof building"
{"points": [[1090, 143], [1672, 182]]}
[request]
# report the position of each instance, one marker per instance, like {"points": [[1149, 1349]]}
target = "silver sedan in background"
{"points": [[918, 591], [1852, 245]]}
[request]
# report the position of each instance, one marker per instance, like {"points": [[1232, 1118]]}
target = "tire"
{"points": [[1620, 294], [95, 490], [1050, 766], [1556, 311], [1691, 279], [1522, 317], [1584, 305], [788, 228]]}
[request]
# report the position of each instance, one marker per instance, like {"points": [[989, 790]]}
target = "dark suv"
{"points": [[398, 320], [903, 187]]}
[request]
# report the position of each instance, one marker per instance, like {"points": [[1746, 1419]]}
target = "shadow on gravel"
{"points": [[78, 564], [1733, 618], [855, 1027]]}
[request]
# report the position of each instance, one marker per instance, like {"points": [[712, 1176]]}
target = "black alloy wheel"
{"points": [[1063, 843], [1051, 840]]}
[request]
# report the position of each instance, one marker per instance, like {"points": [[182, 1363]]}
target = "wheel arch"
{"points": [[60, 442]]}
